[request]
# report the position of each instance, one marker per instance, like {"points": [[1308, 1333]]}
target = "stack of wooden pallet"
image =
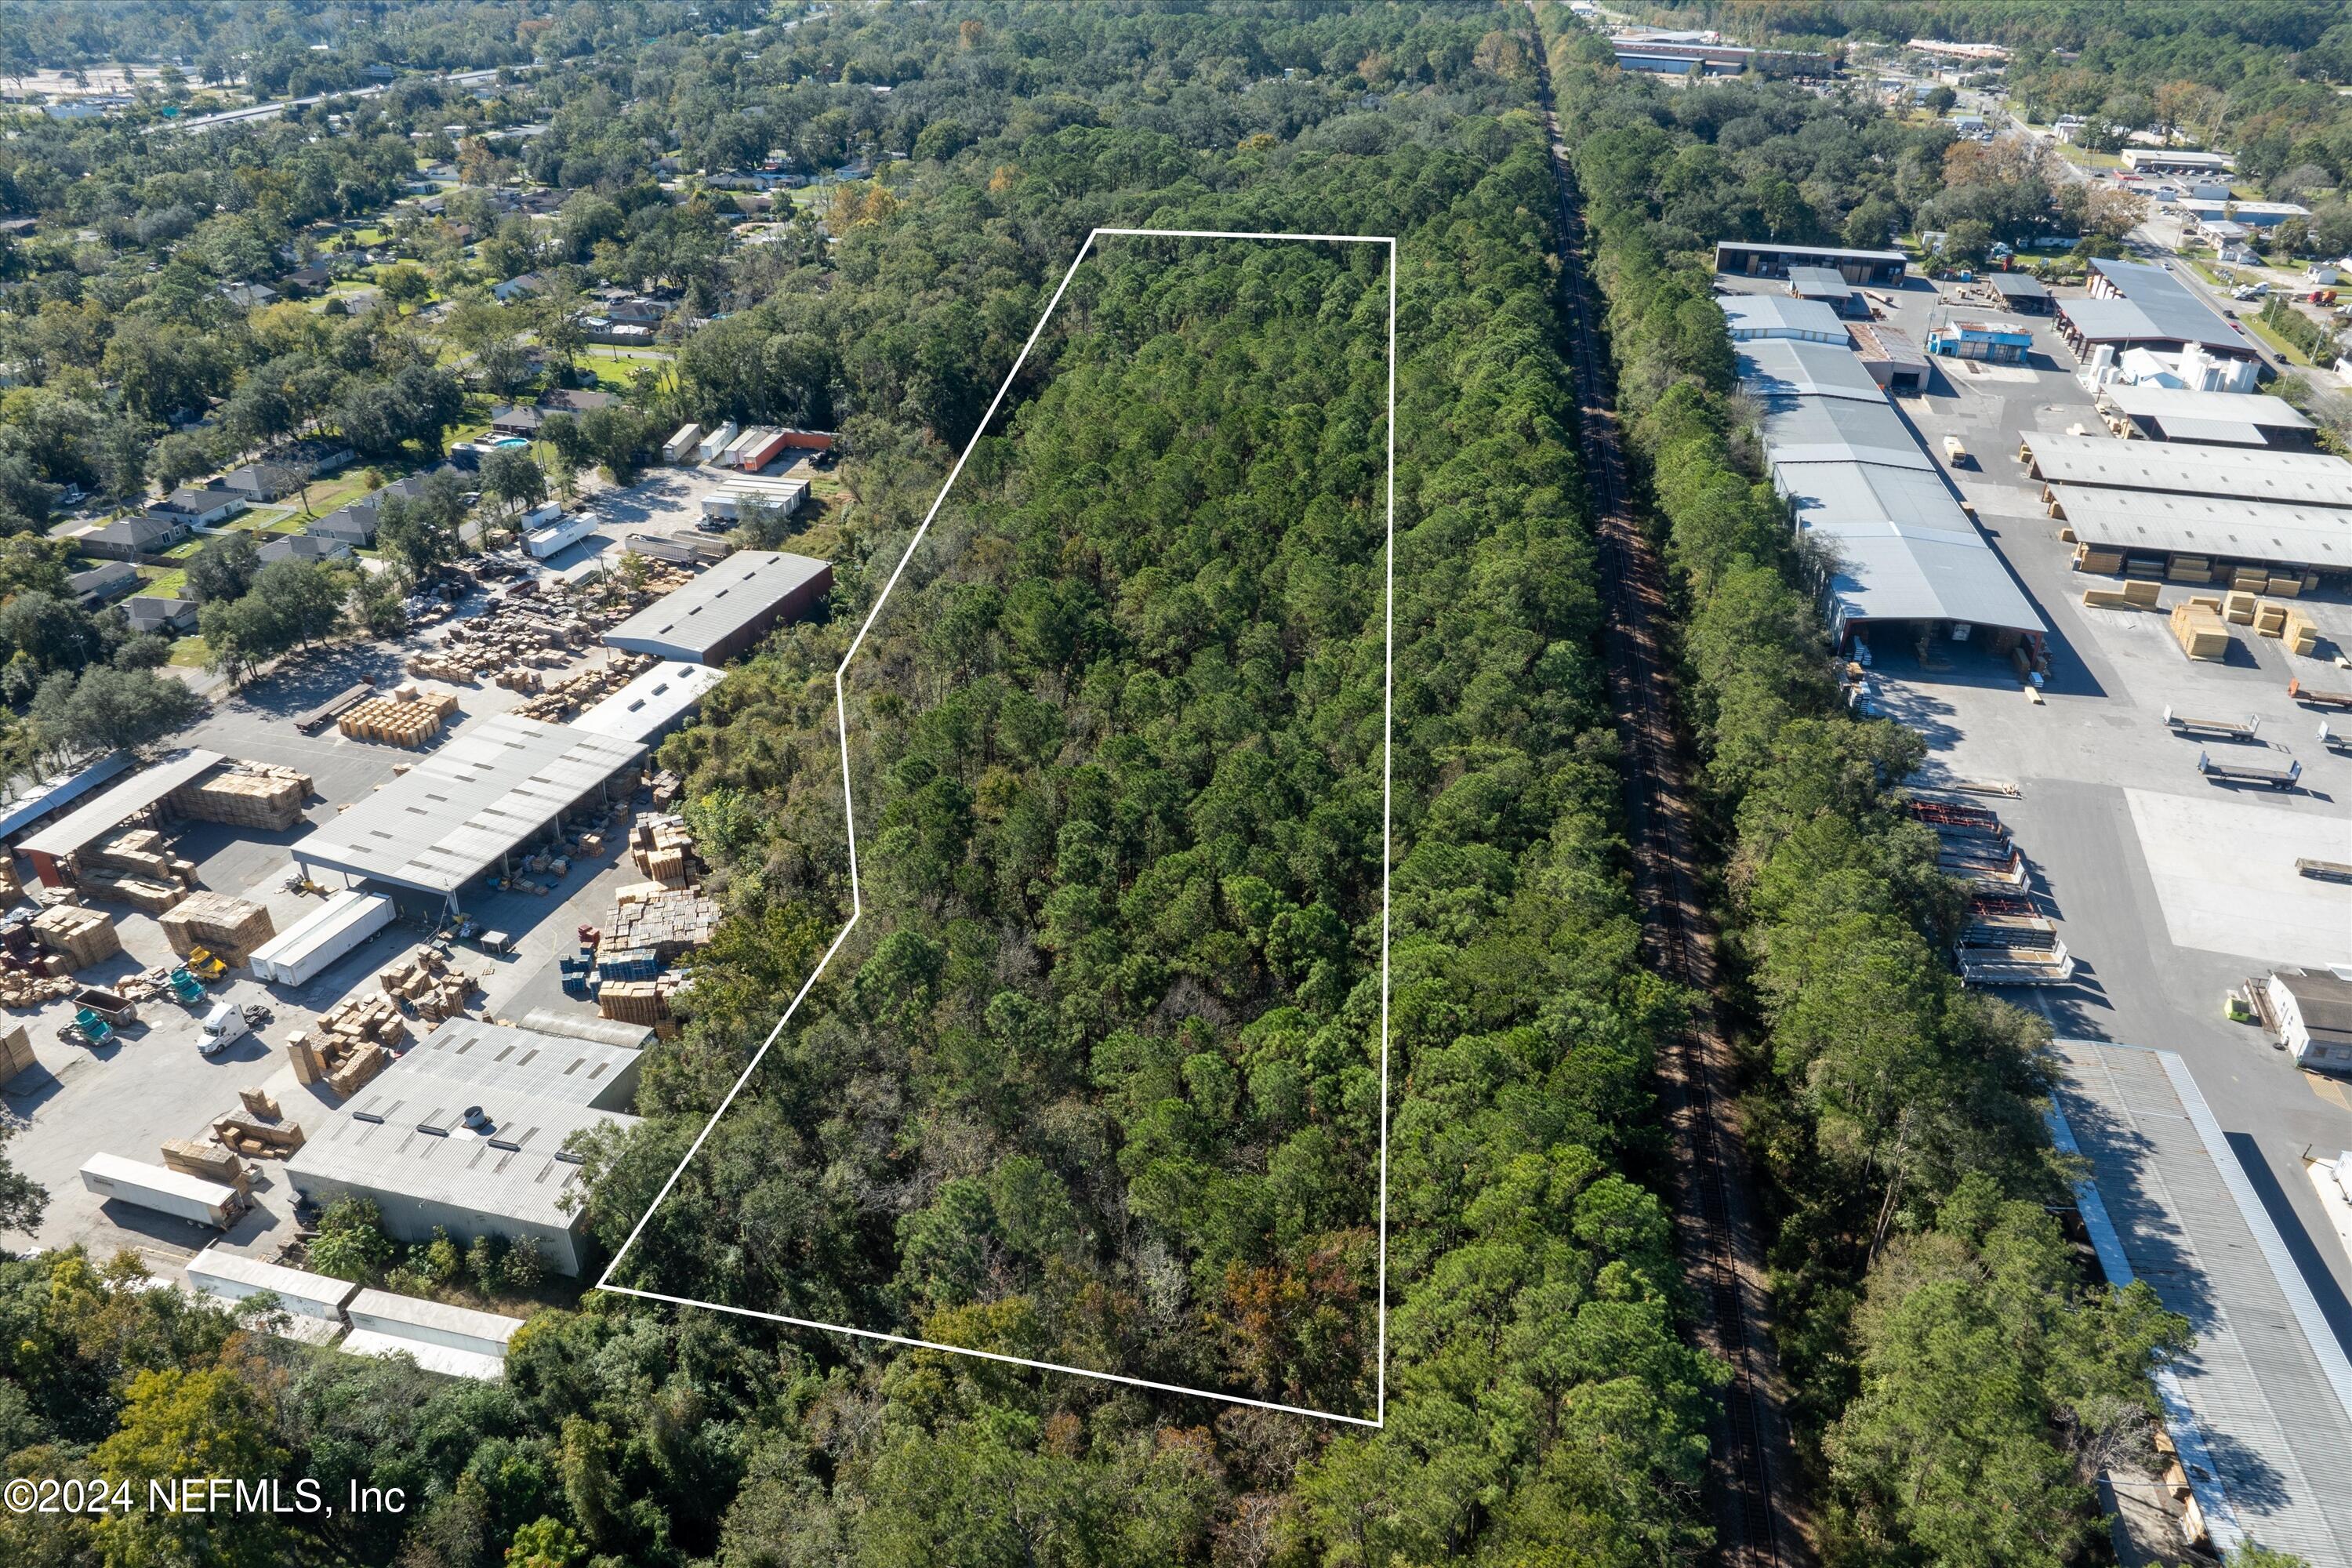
{"points": [[560, 700], [259, 1129], [402, 720], [669, 920], [636, 1001], [82, 936], [141, 893], [424, 981], [16, 1053], [350, 1045], [2105, 562], [245, 794], [231, 928], [662, 847]]}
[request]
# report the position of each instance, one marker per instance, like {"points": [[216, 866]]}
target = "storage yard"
{"points": [[217, 957], [2149, 816]]}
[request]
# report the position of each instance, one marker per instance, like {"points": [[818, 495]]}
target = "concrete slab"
{"points": [[2225, 871]]}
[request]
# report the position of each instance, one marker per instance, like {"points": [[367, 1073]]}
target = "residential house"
{"points": [[320, 455], [103, 584], [265, 481], [517, 288], [574, 400], [248, 294], [160, 612], [202, 506], [515, 419], [313, 278], [318, 549], [354, 525]]}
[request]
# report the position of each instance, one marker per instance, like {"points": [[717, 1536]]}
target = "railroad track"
{"points": [[1752, 1488]]}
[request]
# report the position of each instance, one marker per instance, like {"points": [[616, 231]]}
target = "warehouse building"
{"points": [[466, 807], [2189, 539], [2248, 474], [726, 610], [2175, 161], [2209, 418], [1880, 269], [1898, 551], [1892, 360], [652, 705], [1755, 316], [466, 1134], [53, 849], [2019, 291], [1827, 285], [2132, 305]]}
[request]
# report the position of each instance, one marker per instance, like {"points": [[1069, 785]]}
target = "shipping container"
{"points": [[300, 954], [770, 445], [736, 450], [164, 1191], [559, 535]]}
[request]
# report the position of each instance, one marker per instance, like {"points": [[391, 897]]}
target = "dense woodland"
{"points": [[1896, 1115]]}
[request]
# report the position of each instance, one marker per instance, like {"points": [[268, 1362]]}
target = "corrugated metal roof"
{"points": [[2154, 306], [1840, 429], [2295, 479], [652, 702], [492, 1061], [2168, 403], [1750, 313], [482, 792], [1900, 572], [127, 799], [1772, 370], [1830, 495], [2266, 1387], [720, 602], [2208, 525]]}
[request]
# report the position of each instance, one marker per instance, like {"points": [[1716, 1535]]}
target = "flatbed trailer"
{"points": [[2339, 744], [2244, 773], [1953, 817], [2213, 729], [2036, 932], [2323, 870], [1989, 868], [2015, 966], [2318, 697]]}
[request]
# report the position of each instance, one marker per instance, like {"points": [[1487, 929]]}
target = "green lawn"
{"points": [[187, 551], [2279, 345], [165, 585], [190, 653]]}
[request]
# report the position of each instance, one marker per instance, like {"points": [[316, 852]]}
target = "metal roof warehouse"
{"points": [[468, 805], [50, 849], [2133, 304], [727, 608], [2225, 473], [1895, 544], [653, 704], [404, 1140], [2206, 526], [2210, 419]]}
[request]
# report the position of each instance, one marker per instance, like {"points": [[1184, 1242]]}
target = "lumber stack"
{"points": [[245, 794], [2237, 607], [230, 927], [145, 894], [2269, 620], [258, 1137], [81, 936], [558, 700], [209, 1160], [2189, 569], [425, 981], [142, 852], [399, 721], [2301, 632], [2105, 562], [350, 1045], [669, 921], [2198, 627]]}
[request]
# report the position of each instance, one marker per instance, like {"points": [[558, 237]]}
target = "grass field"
{"points": [[190, 653]]}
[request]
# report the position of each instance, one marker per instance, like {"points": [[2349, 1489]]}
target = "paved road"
{"points": [[256, 114]]}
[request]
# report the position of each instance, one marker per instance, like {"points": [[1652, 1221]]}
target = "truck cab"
{"points": [[224, 1027]]}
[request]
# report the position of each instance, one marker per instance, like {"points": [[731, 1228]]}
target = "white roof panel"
{"points": [[2207, 525], [2255, 474]]}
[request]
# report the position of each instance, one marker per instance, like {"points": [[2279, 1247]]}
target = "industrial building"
{"points": [[2237, 474], [1678, 56], [726, 610], [652, 705], [2207, 213], [1987, 341], [2209, 418], [469, 805], [1892, 360], [2132, 305], [53, 848], [1897, 547], [2175, 161], [2019, 291], [2154, 529], [1881, 269], [466, 1134], [1828, 287], [1754, 316]]}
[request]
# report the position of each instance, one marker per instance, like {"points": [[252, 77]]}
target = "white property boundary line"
{"points": [[857, 908]]}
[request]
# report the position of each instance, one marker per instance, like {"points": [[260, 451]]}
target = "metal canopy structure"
{"points": [[2180, 413], [2224, 473], [484, 793], [650, 706], [71, 833], [2148, 304], [1780, 316], [2297, 536], [1903, 572]]}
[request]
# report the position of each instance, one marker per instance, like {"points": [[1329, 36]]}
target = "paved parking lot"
{"points": [[2169, 889]]}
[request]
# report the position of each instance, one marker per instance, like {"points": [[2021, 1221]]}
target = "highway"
{"points": [[255, 113]]}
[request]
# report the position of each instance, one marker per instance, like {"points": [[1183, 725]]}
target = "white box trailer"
{"points": [[729, 501], [303, 952], [681, 448], [163, 1190], [558, 534], [718, 441], [744, 444], [233, 1277]]}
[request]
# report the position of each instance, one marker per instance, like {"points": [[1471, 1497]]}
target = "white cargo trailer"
{"points": [[719, 440], [165, 1191], [305, 949], [558, 534], [682, 447]]}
